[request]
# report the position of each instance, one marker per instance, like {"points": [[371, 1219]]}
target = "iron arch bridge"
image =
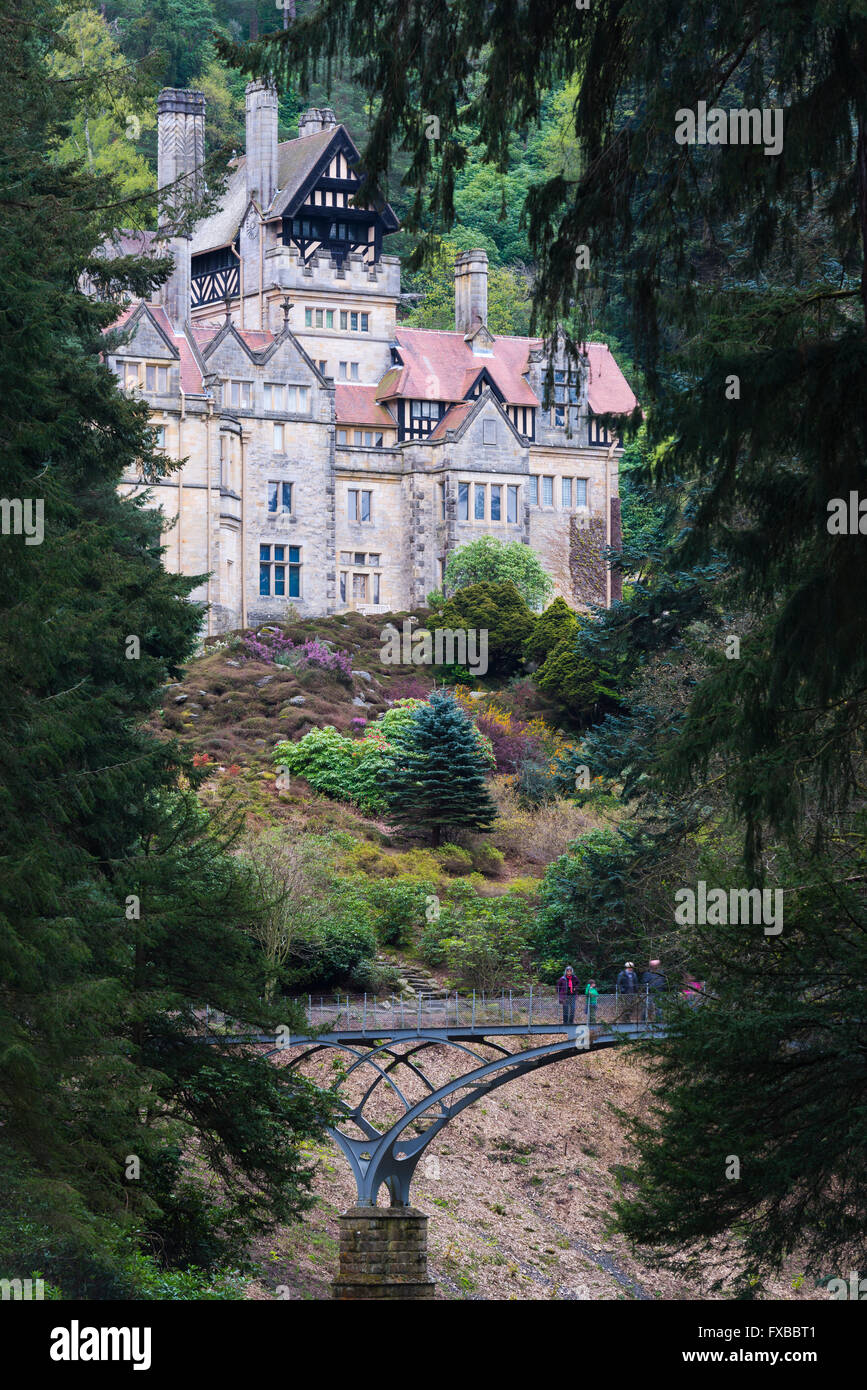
{"points": [[382, 1045]]}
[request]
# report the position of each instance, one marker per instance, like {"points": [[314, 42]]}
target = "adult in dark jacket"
{"points": [[655, 983], [567, 992], [627, 989]]}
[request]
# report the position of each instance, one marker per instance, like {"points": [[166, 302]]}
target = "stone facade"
{"points": [[383, 1255], [332, 458]]}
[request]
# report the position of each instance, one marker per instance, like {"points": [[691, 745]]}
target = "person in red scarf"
{"points": [[567, 991]]}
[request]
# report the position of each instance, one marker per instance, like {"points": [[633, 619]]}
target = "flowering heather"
{"points": [[276, 647]]}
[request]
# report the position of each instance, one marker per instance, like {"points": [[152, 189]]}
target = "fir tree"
{"points": [[437, 777], [123, 911]]}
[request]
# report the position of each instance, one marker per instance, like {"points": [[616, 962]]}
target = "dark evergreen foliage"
{"points": [[123, 912], [437, 779]]}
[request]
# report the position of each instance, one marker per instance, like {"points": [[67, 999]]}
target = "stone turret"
{"points": [[180, 165]]}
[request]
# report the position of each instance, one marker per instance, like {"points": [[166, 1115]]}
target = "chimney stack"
{"points": [[316, 119], [471, 290], [261, 106], [180, 161]]}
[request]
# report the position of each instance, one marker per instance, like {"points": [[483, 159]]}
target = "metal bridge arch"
{"points": [[389, 1157]]}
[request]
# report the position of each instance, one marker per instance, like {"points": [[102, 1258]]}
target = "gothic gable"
{"points": [[146, 337]]}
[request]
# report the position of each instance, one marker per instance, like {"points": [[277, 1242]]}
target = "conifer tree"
{"points": [[437, 776], [123, 912]]}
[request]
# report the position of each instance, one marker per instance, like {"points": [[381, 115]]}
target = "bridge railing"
{"points": [[478, 1009]]}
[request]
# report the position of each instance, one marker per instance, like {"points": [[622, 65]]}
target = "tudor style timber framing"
{"points": [[333, 457]]}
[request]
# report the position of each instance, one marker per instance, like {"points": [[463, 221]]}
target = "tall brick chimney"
{"points": [[471, 290], [180, 161], [261, 107]]}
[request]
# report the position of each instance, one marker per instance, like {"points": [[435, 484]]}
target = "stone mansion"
{"points": [[333, 458]]}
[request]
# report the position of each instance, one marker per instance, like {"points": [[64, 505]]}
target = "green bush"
{"points": [[488, 860], [347, 769], [491, 561], [579, 683], [556, 623], [398, 908], [483, 942], [583, 915], [333, 948], [454, 859], [498, 609]]}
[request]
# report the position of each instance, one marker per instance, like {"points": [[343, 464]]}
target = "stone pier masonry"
{"points": [[383, 1254]]}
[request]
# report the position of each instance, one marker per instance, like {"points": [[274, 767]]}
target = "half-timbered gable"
{"points": [[334, 458]]}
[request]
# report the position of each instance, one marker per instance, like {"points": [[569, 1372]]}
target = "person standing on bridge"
{"points": [[654, 983], [592, 994], [627, 988], [567, 991]]}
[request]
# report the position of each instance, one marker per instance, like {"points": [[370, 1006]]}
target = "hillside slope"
{"points": [[520, 1188]]}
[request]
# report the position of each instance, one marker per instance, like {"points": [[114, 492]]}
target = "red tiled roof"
{"points": [[441, 366], [204, 334], [453, 417], [608, 391], [357, 405], [256, 341]]}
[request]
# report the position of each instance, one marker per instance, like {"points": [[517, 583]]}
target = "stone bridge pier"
{"points": [[383, 1254]]}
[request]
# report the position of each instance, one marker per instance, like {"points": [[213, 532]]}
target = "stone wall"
{"points": [[383, 1255]]}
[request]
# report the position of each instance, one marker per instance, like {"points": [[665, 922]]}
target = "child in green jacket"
{"points": [[592, 994]]}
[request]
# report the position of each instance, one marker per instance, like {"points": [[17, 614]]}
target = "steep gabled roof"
{"points": [[260, 346], [300, 164], [459, 417], [608, 391], [441, 366], [176, 342], [257, 342]]}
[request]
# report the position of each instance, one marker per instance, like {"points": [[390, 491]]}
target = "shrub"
{"points": [[499, 610], [576, 921], [580, 683], [374, 977], [483, 942], [557, 622], [535, 785], [491, 561], [408, 687], [454, 859], [488, 860], [331, 948], [275, 648], [398, 908], [512, 740]]}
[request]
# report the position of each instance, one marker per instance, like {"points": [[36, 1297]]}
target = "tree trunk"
{"points": [[861, 182], [435, 836]]}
